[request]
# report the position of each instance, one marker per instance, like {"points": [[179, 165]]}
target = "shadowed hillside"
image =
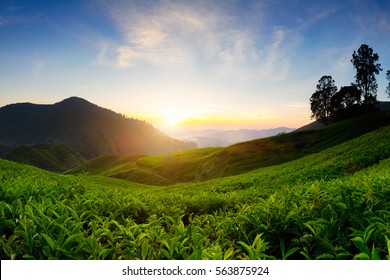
{"points": [[83, 127], [52, 157]]}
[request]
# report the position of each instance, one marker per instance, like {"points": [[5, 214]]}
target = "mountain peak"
{"points": [[74, 100], [83, 127]]}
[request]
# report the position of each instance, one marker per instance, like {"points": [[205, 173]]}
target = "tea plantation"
{"points": [[334, 204]]}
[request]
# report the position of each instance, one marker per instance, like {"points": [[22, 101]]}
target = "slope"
{"points": [[83, 127], [133, 167], [209, 163], [124, 167], [52, 157], [331, 205]]}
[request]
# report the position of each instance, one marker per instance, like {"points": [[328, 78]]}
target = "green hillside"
{"points": [[334, 204], [124, 167], [52, 157], [209, 163], [150, 170]]}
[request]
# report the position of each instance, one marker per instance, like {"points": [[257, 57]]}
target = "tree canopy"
{"points": [[328, 104], [346, 102], [320, 101], [364, 61]]}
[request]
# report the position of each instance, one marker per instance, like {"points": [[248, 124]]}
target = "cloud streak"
{"points": [[12, 15], [162, 35], [175, 35], [38, 67]]}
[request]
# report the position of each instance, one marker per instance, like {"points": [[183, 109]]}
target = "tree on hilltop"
{"points": [[346, 102], [320, 101], [365, 63]]}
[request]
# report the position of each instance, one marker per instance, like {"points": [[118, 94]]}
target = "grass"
{"points": [[334, 204]]}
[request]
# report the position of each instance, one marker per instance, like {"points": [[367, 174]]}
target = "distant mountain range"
{"points": [[223, 138], [84, 127]]}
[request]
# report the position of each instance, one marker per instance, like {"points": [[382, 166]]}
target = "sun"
{"points": [[171, 117]]}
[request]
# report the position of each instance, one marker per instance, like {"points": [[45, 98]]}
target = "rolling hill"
{"points": [[83, 127], [52, 157], [334, 205], [208, 163]]}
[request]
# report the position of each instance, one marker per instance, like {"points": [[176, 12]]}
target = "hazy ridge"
{"points": [[222, 138]]}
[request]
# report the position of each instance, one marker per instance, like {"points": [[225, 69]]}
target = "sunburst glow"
{"points": [[172, 117]]}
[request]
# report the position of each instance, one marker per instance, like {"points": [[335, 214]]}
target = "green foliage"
{"points": [[334, 204]]}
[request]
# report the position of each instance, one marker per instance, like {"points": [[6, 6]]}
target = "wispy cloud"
{"points": [[37, 67], [164, 34], [37, 64], [384, 23], [3, 21], [279, 52], [14, 15], [255, 44], [21, 20], [174, 34]]}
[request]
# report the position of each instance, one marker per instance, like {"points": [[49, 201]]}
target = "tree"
{"points": [[346, 102], [365, 63], [320, 101], [346, 97], [388, 86]]}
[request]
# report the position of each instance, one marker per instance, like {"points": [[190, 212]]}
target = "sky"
{"points": [[226, 64]]}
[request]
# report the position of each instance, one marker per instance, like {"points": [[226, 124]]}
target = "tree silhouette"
{"points": [[388, 85], [365, 63], [346, 102], [320, 101]]}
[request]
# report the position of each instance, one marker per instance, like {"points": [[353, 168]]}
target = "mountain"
{"points": [[83, 127], [203, 142], [222, 138], [242, 135], [52, 157]]}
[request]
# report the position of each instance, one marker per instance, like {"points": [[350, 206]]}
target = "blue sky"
{"points": [[216, 64]]}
